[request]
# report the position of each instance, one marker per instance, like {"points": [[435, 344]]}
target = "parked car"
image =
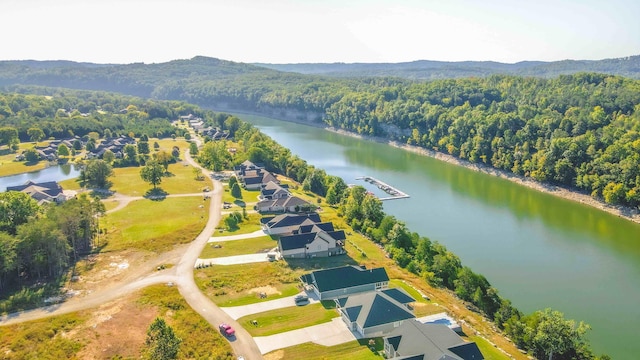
{"points": [[301, 299], [226, 330]]}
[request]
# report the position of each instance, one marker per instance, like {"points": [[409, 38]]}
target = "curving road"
{"points": [[182, 275]]}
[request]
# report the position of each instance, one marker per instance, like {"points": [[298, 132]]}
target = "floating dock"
{"points": [[392, 191]]}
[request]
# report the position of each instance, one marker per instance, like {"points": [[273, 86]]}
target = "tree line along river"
{"points": [[538, 250]]}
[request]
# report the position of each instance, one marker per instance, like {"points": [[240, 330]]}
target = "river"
{"points": [[538, 250], [52, 173]]}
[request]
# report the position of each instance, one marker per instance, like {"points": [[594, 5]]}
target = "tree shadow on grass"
{"points": [[240, 203], [156, 194]]}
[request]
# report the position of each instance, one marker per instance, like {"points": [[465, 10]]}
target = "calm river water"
{"points": [[52, 173], [537, 250]]}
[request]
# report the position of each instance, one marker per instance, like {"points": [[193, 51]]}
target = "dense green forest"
{"points": [[66, 113], [579, 131]]}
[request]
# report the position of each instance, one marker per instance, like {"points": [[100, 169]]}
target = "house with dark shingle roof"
{"points": [[284, 204], [375, 313], [343, 281], [317, 240], [287, 223], [44, 192], [415, 340], [273, 190]]}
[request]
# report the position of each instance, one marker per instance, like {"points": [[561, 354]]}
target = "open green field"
{"points": [[248, 196], [127, 181], [353, 350], [287, 319], [235, 285], [156, 225], [239, 247], [248, 225]]}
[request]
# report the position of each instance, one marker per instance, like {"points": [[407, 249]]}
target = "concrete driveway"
{"points": [[237, 312], [233, 260], [254, 234], [332, 333]]}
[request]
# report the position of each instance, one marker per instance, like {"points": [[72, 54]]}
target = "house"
{"points": [[253, 176], [317, 240], [415, 340], [272, 190], [292, 204], [115, 145], [287, 223], [375, 313], [44, 192], [345, 280]]}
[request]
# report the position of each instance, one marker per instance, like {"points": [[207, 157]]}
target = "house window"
{"points": [[378, 285], [397, 323]]}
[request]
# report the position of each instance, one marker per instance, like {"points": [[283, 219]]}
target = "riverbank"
{"points": [[568, 194], [620, 211]]}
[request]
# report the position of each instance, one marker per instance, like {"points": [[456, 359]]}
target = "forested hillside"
{"points": [[430, 70], [579, 130]]}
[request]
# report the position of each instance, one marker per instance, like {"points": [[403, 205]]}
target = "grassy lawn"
{"points": [[248, 196], [249, 225], [421, 307], [353, 350], [234, 285], [155, 225], [488, 351], [239, 247], [286, 319], [110, 204], [70, 184], [127, 181]]}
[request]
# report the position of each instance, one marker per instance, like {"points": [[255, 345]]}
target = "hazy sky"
{"points": [[294, 31]]}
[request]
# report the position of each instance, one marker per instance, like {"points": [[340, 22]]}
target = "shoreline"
{"points": [[623, 212]]}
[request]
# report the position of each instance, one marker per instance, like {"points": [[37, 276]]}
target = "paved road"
{"points": [[182, 275]]}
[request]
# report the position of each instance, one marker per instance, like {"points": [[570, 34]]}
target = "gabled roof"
{"points": [[286, 220], [375, 308], [432, 342], [345, 277], [398, 295], [325, 226], [286, 202], [299, 241], [45, 191]]}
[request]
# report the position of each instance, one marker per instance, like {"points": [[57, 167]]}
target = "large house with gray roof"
{"points": [[375, 313], [329, 284], [287, 223], [45, 192], [413, 340], [313, 240]]}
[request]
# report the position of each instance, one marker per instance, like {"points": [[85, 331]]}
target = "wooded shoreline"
{"points": [[624, 212]]}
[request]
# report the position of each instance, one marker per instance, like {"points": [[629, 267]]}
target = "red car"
{"points": [[226, 330]]}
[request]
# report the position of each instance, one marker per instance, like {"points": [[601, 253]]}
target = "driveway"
{"points": [[237, 312], [233, 260], [332, 333], [254, 234]]}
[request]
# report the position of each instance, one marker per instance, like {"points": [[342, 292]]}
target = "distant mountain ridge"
{"points": [[428, 69]]}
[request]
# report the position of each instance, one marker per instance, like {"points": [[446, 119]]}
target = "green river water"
{"points": [[538, 250]]}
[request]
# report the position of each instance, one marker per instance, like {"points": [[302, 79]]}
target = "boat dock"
{"points": [[392, 191]]}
